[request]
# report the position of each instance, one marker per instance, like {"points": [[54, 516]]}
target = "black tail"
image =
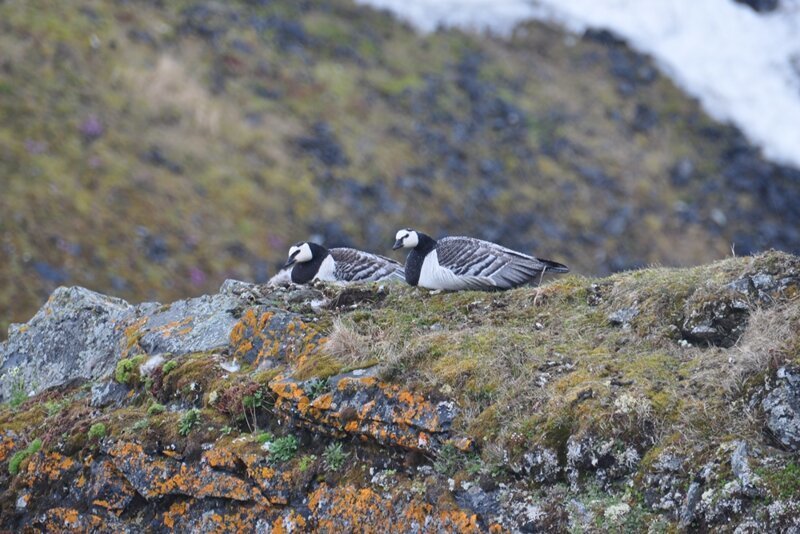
{"points": [[552, 266]]}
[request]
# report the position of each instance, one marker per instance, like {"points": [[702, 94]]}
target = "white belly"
{"points": [[327, 270], [434, 276]]}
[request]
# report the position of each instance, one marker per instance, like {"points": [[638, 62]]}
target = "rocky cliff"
{"points": [[647, 401]]}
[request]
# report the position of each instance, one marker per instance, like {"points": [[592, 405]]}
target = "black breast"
{"points": [[417, 256], [303, 273], [414, 266]]}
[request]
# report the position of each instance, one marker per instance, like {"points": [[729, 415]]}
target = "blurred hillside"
{"points": [[152, 149]]}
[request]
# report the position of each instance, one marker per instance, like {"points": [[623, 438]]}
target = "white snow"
{"points": [[743, 66]]}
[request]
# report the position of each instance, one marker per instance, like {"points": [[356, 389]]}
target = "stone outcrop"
{"points": [[231, 412]]}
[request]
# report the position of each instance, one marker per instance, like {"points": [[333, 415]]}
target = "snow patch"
{"points": [[743, 66]]}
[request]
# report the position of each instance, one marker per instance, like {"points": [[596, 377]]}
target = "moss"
{"points": [[191, 378], [127, 370], [169, 366], [97, 431], [155, 409], [264, 437], [319, 366], [783, 483], [16, 461]]}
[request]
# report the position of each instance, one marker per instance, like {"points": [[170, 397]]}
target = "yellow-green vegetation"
{"points": [[150, 150], [334, 456], [20, 456], [784, 483], [97, 431], [537, 366], [55, 407], [188, 422], [264, 437], [305, 462], [169, 366], [283, 449], [127, 371], [155, 409]]}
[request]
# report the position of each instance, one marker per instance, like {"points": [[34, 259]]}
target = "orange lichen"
{"points": [[391, 415], [181, 327], [47, 467], [7, 446], [177, 510], [62, 519], [220, 457], [164, 476], [194, 515], [363, 510], [266, 336]]}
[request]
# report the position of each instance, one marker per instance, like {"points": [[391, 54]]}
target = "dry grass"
{"points": [[772, 337], [353, 345]]}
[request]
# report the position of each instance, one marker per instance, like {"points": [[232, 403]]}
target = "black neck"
{"points": [[304, 272], [417, 256]]}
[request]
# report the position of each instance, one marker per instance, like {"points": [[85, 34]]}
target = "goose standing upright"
{"points": [[456, 263], [343, 265]]}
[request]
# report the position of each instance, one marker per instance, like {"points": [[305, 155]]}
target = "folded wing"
{"points": [[358, 266], [481, 264]]}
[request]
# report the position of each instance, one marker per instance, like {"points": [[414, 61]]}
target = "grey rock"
{"points": [[741, 468], [478, 500], [541, 464], [108, 393], [689, 509], [718, 321], [624, 316], [81, 334], [194, 325], [75, 334], [764, 282], [782, 409]]}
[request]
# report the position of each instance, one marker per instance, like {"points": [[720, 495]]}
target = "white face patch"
{"points": [[301, 253], [408, 238]]}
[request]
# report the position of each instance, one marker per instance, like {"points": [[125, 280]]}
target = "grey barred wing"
{"points": [[488, 264], [466, 256], [358, 266]]}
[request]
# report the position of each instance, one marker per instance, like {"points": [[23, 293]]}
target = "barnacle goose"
{"points": [[456, 263], [315, 262]]}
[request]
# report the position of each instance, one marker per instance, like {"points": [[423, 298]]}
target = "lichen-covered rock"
{"points": [[195, 515], [154, 477], [372, 409], [349, 509], [365, 406], [77, 333], [719, 316], [782, 409], [265, 337], [195, 325]]}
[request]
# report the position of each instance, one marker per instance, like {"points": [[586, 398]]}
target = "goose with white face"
{"points": [[311, 261], [465, 263], [407, 238], [299, 253]]}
